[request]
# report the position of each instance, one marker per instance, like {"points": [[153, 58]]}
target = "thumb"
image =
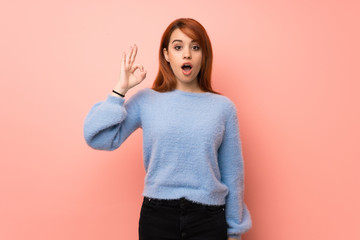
{"points": [[143, 75]]}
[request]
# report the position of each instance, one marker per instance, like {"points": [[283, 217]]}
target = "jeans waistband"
{"points": [[177, 203]]}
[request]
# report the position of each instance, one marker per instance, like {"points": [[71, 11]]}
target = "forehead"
{"points": [[177, 34]]}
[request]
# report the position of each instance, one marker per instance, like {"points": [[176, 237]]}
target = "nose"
{"points": [[187, 53]]}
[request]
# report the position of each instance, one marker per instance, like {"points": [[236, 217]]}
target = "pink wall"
{"points": [[291, 67]]}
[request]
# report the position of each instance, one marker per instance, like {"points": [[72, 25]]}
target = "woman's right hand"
{"points": [[128, 79]]}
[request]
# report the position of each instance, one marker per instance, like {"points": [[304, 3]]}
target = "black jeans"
{"points": [[181, 219]]}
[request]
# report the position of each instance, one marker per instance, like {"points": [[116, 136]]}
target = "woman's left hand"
{"points": [[230, 238]]}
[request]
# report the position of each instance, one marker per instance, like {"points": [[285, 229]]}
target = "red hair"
{"points": [[165, 79]]}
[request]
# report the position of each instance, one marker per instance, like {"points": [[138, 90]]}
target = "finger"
{"points": [[134, 54], [143, 75], [122, 62], [128, 59], [136, 66]]}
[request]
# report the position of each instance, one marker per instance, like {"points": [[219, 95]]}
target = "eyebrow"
{"points": [[178, 40]]}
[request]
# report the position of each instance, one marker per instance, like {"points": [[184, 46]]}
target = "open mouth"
{"points": [[186, 67]]}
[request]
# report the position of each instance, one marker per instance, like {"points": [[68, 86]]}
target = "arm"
{"points": [[232, 174], [110, 122]]}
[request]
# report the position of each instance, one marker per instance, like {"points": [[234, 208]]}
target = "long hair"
{"points": [[165, 79]]}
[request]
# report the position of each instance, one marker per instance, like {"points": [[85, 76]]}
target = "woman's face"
{"points": [[184, 56]]}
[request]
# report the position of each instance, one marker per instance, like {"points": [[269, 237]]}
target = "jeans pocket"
{"points": [[215, 209], [149, 205]]}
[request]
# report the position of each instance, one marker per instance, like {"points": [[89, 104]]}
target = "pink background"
{"points": [[291, 68]]}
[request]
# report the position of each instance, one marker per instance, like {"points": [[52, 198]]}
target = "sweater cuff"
{"points": [[236, 236], [116, 100]]}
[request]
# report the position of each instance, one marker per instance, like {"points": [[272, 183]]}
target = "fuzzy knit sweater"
{"points": [[191, 146]]}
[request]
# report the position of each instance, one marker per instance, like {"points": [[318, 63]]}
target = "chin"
{"points": [[188, 79]]}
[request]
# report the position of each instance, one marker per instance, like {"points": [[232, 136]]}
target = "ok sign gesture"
{"points": [[128, 78]]}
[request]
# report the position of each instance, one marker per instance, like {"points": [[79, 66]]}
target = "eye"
{"points": [[196, 48], [177, 47]]}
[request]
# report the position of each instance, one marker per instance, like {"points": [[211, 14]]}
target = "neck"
{"points": [[188, 87]]}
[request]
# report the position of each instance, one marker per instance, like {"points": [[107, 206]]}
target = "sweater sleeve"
{"points": [[109, 123], [232, 175]]}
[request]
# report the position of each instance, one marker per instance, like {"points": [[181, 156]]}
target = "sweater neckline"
{"points": [[181, 92], [195, 94]]}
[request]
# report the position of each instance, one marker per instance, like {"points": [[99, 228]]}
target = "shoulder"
{"points": [[225, 102], [230, 114], [140, 95]]}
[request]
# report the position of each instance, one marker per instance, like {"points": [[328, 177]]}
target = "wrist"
{"points": [[117, 94], [122, 91]]}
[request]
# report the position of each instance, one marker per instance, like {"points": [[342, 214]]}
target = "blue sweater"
{"points": [[191, 146]]}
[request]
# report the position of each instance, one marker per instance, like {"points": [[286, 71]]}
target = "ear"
{"points": [[166, 55]]}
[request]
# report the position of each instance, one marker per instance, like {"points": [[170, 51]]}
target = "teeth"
{"points": [[186, 65]]}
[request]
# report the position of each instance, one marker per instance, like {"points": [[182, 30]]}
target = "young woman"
{"points": [[194, 183]]}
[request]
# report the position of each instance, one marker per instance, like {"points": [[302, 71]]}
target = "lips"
{"points": [[186, 65], [186, 68]]}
